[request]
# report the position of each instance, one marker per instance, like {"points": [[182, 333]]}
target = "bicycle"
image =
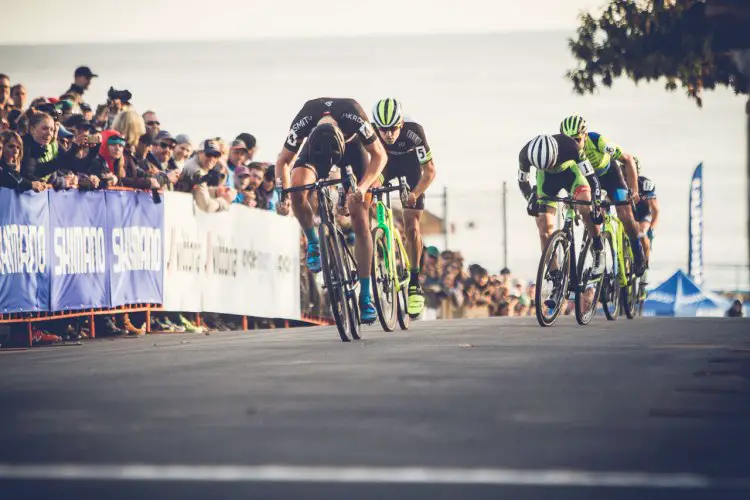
{"points": [[340, 277], [622, 286], [390, 262], [560, 266]]}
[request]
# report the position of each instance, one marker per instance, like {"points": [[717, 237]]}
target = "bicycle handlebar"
{"points": [[314, 185], [402, 187], [569, 201]]}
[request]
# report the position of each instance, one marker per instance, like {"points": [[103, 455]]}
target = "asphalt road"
{"points": [[497, 408]]}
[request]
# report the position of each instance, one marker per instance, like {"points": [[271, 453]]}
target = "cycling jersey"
{"points": [[600, 151], [351, 119], [646, 188], [411, 139]]}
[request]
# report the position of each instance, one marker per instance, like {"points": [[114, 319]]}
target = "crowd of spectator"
{"points": [[66, 143]]}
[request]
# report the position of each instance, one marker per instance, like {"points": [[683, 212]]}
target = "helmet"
{"points": [[574, 125], [388, 113], [543, 152], [327, 144]]}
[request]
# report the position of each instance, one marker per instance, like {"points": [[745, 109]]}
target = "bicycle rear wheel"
{"points": [[333, 279], [554, 268], [402, 274], [383, 287], [610, 294], [589, 287], [628, 293]]}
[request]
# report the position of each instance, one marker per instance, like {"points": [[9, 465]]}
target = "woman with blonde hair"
{"points": [[130, 125]]}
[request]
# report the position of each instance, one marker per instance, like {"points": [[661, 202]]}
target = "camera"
{"points": [[213, 178], [123, 95]]}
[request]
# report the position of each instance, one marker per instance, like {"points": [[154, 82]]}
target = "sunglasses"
{"points": [[167, 145], [152, 123]]}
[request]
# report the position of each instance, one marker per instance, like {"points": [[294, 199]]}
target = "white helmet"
{"points": [[543, 152]]}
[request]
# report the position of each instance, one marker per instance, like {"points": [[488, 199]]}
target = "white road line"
{"points": [[331, 474]]}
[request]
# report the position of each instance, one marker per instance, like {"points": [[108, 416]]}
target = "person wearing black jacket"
{"points": [[41, 153], [10, 164], [116, 166]]}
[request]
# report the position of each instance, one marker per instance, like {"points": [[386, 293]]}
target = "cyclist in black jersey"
{"points": [[409, 156], [646, 211], [338, 132]]}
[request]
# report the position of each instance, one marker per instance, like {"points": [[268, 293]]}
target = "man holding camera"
{"points": [[202, 176]]}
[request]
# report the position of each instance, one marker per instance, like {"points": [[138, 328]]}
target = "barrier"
{"points": [[76, 253]]}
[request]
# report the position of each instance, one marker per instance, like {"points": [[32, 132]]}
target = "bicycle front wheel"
{"points": [[589, 286], [610, 294], [402, 275], [554, 270], [333, 277], [383, 285], [628, 293]]}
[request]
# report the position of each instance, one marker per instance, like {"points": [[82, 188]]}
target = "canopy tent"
{"points": [[680, 296]]}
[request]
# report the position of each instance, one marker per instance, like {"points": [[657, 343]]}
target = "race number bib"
{"points": [[421, 154], [648, 186], [586, 168]]}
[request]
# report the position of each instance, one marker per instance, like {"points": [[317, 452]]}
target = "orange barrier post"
{"points": [[148, 318], [31, 334], [197, 319], [244, 323]]}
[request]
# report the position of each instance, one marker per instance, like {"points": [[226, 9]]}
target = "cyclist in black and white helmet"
{"points": [[560, 164]]}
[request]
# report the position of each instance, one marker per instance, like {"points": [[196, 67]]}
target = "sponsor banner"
{"points": [[78, 264], [24, 252], [244, 261], [135, 247], [185, 251], [695, 227]]}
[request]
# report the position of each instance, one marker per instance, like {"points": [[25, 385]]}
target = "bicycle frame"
{"points": [[614, 226], [384, 217]]}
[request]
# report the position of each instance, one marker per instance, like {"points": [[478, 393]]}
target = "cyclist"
{"points": [[646, 212], [338, 132], [603, 155], [410, 156], [560, 164]]}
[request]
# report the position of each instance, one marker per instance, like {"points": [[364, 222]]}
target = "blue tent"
{"points": [[680, 296]]}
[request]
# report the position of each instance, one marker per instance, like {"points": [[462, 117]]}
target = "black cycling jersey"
{"points": [[646, 187], [411, 139], [351, 119]]}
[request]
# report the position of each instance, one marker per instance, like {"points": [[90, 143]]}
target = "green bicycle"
{"points": [[390, 263], [620, 287]]}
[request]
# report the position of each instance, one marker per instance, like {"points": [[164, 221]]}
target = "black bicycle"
{"points": [[340, 277], [560, 266]]}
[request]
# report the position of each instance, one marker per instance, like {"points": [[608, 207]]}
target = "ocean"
{"points": [[479, 98]]}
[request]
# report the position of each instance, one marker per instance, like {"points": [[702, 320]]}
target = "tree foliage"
{"points": [[648, 40]]}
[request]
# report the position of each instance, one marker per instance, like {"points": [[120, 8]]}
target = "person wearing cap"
{"points": [[82, 81], [238, 156], [202, 176], [183, 150], [86, 111], [160, 157], [64, 137], [143, 148], [250, 143], [245, 194], [117, 168]]}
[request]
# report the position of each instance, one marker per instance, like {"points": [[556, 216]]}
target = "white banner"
{"points": [[244, 261]]}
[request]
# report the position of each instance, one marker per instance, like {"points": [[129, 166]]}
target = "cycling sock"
{"points": [[312, 236], [364, 284], [414, 276], [637, 247], [598, 245]]}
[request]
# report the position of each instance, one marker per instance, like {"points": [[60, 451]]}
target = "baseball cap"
{"points": [[433, 252], [209, 146], [78, 121], [85, 71], [182, 139], [239, 144], [116, 139], [163, 135], [84, 106], [248, 139], [64, 133], [241, 171]]}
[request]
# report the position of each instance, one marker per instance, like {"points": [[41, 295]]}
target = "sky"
{"points": [[177, 20]]}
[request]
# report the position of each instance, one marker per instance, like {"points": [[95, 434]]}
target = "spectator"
{"points": [[41, 154], [250, 142], [735, 311], [18, 94], [116, 166], [201, 176], [268, 197], [238, 156], [182, 151], [81, 82], [519, 301], [153, 126], [11, 155], [117, 102], [131, 127], [245, 194], [13, 117], [65, 107], [160, 157], [86, 111], [64, 138], [143, 148], [5, 102], [478, 293]]}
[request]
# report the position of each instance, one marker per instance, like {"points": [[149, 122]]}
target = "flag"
{"points": [[695, 227]]}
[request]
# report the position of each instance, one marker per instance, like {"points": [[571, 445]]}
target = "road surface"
{"points": [[465, 409]]}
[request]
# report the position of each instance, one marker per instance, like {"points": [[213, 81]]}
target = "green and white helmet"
{"points": [[574, 126], [387, 113]]}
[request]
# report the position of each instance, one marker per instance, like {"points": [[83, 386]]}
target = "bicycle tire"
{"points": [[610, 293], [558, 237], [402, 273], [383, 288], [584, 316], [628, 293], [332, 277], [351, 278]]}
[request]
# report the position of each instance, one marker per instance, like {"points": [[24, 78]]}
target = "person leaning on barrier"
{"points": [[11, 154], [202, 177], [117, 168], [41, 153]]}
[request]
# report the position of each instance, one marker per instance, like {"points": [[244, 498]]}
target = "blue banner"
{"points": [[695, 227], [24, 252], [135, 226], [77, 226]]}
